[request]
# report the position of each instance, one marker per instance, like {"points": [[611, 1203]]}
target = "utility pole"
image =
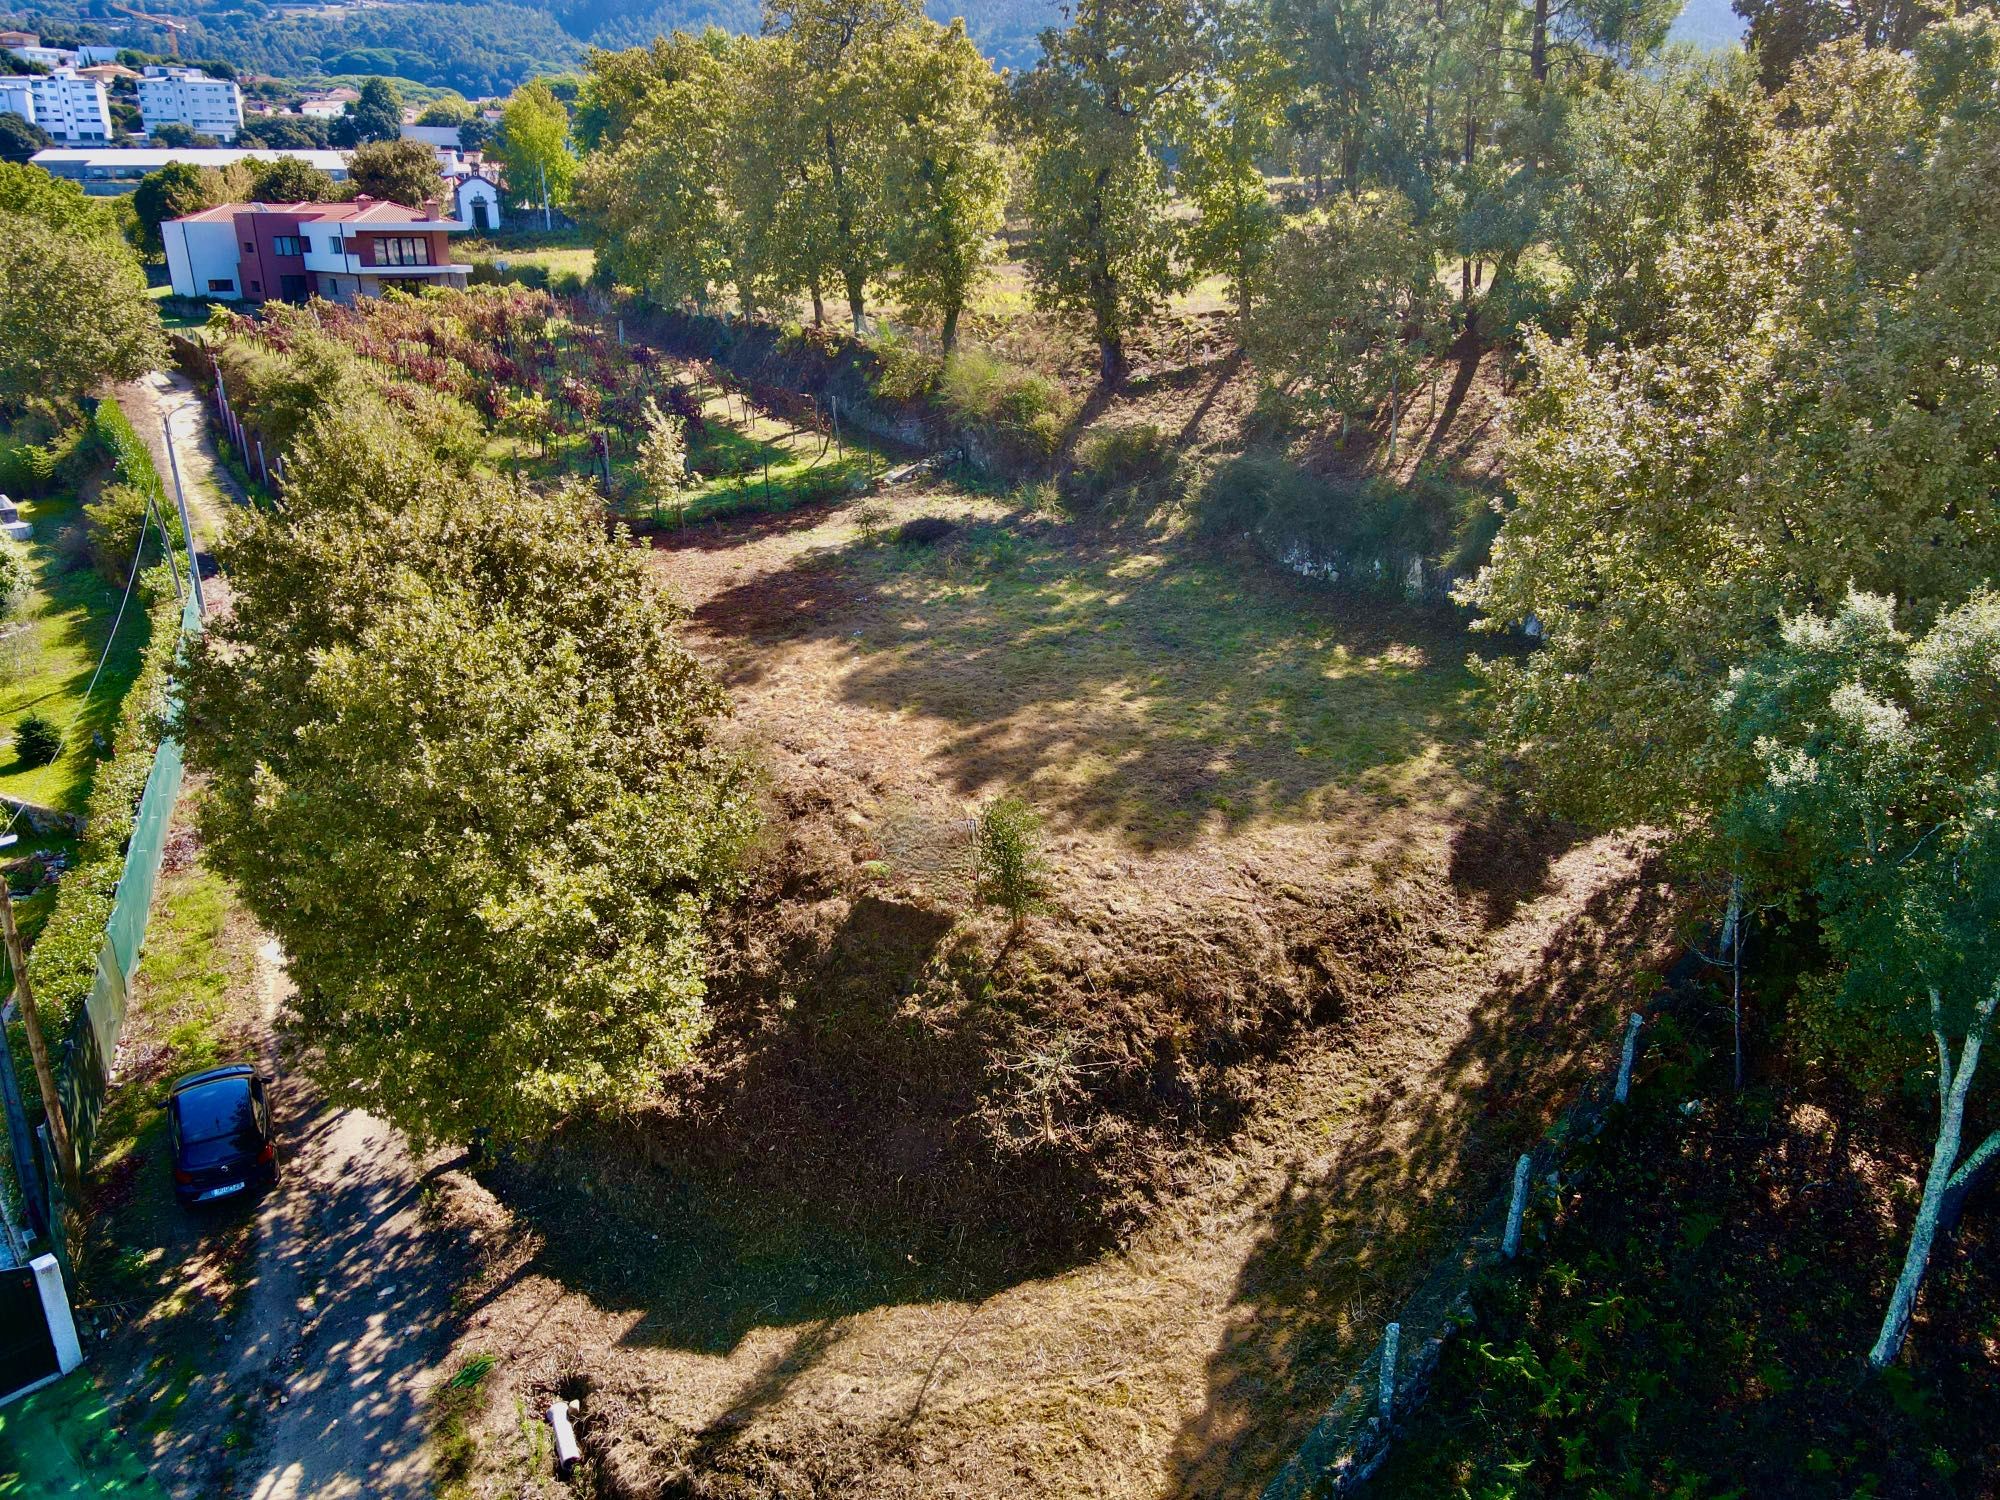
{"points": [[187, 526], [17, 954]]}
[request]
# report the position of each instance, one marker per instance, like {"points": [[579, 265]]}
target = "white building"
{"points": [[261, 252], [328, 106], [69, 108], [187, 96], [48, 57], [114, 170], [476, 203]]}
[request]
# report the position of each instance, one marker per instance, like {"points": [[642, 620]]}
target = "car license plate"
{"points": [[220, 1192]]}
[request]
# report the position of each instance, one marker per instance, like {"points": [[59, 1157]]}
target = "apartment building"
{"points": [[68, 107], [187, 96], [291, 251]]}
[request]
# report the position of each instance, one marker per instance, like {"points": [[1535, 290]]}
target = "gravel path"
{"points": [[348, 1315]]}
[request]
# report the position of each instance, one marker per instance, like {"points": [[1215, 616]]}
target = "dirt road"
{"points": [[347, 1318]]}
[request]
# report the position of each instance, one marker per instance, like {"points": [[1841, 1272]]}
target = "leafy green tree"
{"points": [[376, 116], [1229, 134], [283, 133], [290, 180], [1783, 31], [777, 182], [1807, 415], [446, 109], [73, 314], [463, 772], [1094, 118], [663, 459], [398, 171], [842, 49], [173, 133], [20, 139], [947, 178], [616, 86], [176, 190], [1635, 163], [1350, 306], [1875, 791], [651, 199], [534, 146], [55, 203]]}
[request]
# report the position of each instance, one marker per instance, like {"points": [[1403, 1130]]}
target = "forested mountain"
{"points": [[477, 47], [481, 47]]}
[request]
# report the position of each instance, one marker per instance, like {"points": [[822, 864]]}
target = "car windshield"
{"points": [[217, 1112]]}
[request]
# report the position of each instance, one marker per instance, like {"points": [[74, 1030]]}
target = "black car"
{"points": [[219, 1124]]}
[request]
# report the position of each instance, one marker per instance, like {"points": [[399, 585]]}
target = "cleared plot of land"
{"points": [[1225, 761]]}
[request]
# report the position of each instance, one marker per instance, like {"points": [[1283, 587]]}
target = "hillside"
{"points": [[478, 47]]}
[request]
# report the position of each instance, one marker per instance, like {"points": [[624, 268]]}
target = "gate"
{"points": [[27, 1349]]}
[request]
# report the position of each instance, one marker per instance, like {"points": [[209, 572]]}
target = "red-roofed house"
{"points": [[257, 252]]}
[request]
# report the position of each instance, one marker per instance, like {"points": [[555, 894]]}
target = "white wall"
{"points": [[212, 106], [200, 251]]}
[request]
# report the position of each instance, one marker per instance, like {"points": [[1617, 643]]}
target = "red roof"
{"points": [[360, 211]]}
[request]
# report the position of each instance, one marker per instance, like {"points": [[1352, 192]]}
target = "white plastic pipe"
{"points": [[567, 1452]]}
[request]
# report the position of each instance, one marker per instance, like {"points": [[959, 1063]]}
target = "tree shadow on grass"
{"points": [[1352, 1240], [1129, 686]]}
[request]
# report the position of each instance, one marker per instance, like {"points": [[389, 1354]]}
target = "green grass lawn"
{"points": [[179, 314], [528, 247], [49, 654], [1155, 688], [60, 1444]]}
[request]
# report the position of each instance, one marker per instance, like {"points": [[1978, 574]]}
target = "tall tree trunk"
{"points": [[819, 306], [1538, 44], [1954, 1083], [950, 335], [855, 292]]}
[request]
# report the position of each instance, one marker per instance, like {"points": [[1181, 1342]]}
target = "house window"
{"points": [[256, 289], [224, 284], [286, 244], [403, 250], [247, 245], [292, 288]]}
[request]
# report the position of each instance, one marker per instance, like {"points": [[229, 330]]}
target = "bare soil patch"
{"points": [[1106, 1205]]}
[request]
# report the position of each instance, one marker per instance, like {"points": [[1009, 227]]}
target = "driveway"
{"points": [[347, 1319]]}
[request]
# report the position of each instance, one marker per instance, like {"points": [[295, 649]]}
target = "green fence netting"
{"points": [[84, 1064]]}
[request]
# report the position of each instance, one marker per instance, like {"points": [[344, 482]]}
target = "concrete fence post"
{"points": [[1385, 1392], [1625, 1062], [1510, 1242], [55, 1307]]}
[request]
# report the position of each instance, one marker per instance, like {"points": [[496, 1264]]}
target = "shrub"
{"points": [[1008, 869], [118, 519], [1021, 412], [1136, 466], [903, 372], [17, 578], [1368, 526], [37, 740], [26, 468]]}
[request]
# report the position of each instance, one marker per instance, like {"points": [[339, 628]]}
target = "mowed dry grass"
{"points": [[1199, 738]]}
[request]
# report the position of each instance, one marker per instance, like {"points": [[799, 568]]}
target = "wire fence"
{"points": [[88, 1053]]}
